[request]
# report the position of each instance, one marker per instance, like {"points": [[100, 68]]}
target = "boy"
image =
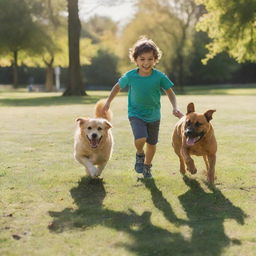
{"points": [[145, 84]]}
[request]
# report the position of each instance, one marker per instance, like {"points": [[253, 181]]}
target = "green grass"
{"points": [[49, 207]]}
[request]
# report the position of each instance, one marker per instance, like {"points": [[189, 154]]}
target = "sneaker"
{"points": [[147, 171], [139, 164]]}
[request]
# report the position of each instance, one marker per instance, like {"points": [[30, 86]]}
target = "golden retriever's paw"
{"points": [[94, 177], [93, 172]]}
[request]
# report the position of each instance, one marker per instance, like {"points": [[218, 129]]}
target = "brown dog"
{"points": [[94, 141], [194, 135]]}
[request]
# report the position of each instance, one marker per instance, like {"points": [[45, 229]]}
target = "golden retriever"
{"points": [[93, 142]]}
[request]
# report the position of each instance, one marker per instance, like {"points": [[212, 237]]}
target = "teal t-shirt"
{"points": [[144, 93]]}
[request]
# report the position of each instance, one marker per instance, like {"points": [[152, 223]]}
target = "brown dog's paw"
{"points": [[192, 170], [211, 180]]}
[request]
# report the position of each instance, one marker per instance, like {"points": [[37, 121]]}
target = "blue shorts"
{"points": [[142, 129]]}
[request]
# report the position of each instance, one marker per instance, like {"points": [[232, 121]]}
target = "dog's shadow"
{"points": [[90, 211], [206, 212]]}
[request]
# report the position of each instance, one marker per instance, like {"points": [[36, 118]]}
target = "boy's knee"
{"points": [[141, 140]]}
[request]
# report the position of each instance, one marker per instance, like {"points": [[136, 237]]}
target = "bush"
{"points": [[103, 71]]}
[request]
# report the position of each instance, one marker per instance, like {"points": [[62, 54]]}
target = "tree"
{"points": [[74, 86], [49, 14], [187, 13], [19, 33], [231, 26], [103, 69], [219, 70]]}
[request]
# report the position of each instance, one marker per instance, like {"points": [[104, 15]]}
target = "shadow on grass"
{"points": [[49, 101], [206, 213], [146, 238]]}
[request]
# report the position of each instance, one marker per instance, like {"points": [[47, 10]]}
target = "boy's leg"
{"points": [[152, 139], [140, 156], [150, 152], [139, 129], [139, 144]]}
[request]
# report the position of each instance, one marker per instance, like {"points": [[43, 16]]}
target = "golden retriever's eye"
{"points": [[89, 128], [197, 124], [99, 129]]}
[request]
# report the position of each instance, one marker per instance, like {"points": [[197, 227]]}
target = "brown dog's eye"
{"points": [[188, 122], [89, 128], [197, 124], [99, 128]]}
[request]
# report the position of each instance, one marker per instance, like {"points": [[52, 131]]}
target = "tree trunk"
{"points": [[74, 83], [15, 69], [49, 78], [49, 81]]}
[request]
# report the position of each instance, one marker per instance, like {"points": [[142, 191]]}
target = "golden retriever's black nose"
{"points": [[94, 135]]}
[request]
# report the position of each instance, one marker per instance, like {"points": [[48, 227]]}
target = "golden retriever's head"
{"points": [[196, 125], [93, 129]]}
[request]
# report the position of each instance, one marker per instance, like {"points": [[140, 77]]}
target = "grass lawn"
{"points": [[49, 207]]}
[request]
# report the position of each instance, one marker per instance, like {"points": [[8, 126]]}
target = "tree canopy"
{"points": [[232, 27], [20, 33]]}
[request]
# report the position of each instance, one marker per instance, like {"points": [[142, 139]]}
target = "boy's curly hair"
{"points": [[144, 45]]}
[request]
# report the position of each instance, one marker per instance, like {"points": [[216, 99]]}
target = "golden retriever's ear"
{"points": [[190, 108], [108, 124], [81, 120], [208, 114]]}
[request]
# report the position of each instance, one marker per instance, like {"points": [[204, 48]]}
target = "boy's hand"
{"points": [[177, 113]]}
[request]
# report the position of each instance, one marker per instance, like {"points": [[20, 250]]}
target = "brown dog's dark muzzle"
{"points": [[192, 137]]}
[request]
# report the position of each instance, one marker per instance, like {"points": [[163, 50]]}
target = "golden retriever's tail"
{"points": [[99, 110]]}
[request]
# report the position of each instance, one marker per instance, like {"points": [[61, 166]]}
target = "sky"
{"points": [[119, 13]]}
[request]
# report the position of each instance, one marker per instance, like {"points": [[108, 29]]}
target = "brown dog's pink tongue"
{"points": [[191, 141]]}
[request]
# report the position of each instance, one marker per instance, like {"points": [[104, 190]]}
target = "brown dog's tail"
{"points": [[99, 111]]}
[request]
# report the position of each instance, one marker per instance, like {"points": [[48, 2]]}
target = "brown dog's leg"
{"points": [[189, 161], [182, 165], [206, 162], [211, 171]]}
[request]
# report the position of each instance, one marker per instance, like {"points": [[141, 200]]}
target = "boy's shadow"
{"points": [[207, 212], [145, 237]]}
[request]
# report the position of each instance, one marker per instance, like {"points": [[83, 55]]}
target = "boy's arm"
{"points": [[115, 90], [172, 98]]}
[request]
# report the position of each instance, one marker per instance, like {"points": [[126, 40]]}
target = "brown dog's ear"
{"points": [[208, 114], [108, 124], [190, 108]]}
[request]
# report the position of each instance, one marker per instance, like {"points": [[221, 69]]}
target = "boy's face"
{"points": [[145, 62]]}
